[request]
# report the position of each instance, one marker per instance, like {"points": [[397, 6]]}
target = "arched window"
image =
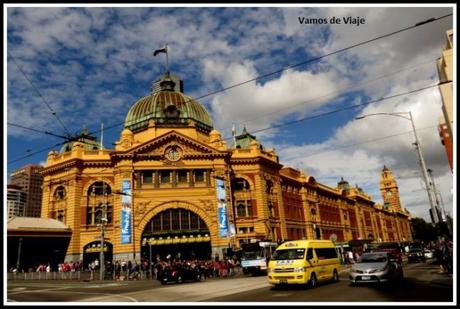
{"points": [[94, 214], [244, 208], [240, 184], [99, 188], [268, 186], [241, 210], [98, 196], [59, 193]]}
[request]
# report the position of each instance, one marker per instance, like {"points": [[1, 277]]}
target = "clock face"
{"points": [[389, 193], [173, 153]]}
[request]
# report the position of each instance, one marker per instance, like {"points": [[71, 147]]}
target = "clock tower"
{"points": [[389, 190]]}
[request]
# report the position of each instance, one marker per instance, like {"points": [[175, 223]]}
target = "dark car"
{"points": [[394, 252], [416, 255], [180, 275]]}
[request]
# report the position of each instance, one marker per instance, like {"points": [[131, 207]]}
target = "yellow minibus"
{"points": [[304, 262]]}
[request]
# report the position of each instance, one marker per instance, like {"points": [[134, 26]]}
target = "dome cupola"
{"points": [[168, 107]]}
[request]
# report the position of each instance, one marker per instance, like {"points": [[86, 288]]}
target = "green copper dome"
{"points": [[167, 107], [89, 142]]}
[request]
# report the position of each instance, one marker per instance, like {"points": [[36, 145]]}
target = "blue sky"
{"points": [[92, 64]]}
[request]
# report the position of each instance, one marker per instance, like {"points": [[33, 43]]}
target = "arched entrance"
{"points": [[177, 232], [92, 251]]}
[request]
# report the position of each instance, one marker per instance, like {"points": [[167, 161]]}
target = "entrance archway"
{"points": [[177, 232], [92, 251]]}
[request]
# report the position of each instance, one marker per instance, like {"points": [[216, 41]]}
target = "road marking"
{"points": [[100, 298], [102, 295], [36, 291], [20, 285]]}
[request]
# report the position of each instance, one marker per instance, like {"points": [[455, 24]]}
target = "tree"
{"points": [[423, 231]]}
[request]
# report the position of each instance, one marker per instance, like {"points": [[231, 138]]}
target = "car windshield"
{"points": [[289, 254], [373, 258], [250, 255]]}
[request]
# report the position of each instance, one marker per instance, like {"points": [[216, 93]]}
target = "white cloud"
{"points": [[259, 105]]}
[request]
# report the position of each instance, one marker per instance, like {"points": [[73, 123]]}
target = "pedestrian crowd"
{"points": [[134, 270], [210, 268]]}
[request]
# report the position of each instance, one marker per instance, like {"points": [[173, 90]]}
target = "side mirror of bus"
{"points": [[309, 255]]}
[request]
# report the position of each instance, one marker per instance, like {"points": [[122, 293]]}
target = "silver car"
{"points": [[428, 254], [376, 267]]}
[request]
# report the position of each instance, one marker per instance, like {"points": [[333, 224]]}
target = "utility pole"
{"points": [[425, 172], [439, 202]]}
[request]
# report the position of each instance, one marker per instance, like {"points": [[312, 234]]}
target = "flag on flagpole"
{"points": [[161, 50]]}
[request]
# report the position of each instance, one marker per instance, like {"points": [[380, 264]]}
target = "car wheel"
{"points": [[313, 281], [335, 276]]}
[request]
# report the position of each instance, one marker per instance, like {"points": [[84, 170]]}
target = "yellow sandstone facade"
{"points": [[172, 184]]}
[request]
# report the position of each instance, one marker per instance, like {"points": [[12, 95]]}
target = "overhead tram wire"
{"points": [[288, 123], [291, 66], [295, 105], [36, 130], [302, 63], [339, 110], [319, 97], [37, 152], [367, 142], [292, 106], [324, 56], [342, 91], [39, 94]]}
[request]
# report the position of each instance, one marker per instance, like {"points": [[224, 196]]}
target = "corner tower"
{"points": [[389, 190]]}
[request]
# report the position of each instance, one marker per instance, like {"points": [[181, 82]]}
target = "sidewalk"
{"points": [[443, 279], [438, 278]]}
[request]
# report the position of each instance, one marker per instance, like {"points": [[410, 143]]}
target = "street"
{"points": [[422, 283]]}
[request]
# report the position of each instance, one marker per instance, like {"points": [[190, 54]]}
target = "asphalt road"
{"points": [[421, 284]]}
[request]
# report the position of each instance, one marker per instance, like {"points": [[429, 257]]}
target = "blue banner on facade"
{"points": [[223, 221], [126, 212], [222, 208]]}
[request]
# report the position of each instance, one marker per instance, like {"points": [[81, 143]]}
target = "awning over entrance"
{"points": [[33, 241], [176, 240], [38, 227]]}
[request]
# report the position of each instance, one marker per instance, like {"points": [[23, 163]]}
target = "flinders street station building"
{"points": [[172, 185]]}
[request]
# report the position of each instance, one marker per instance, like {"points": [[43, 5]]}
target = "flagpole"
{"points": [[167, 60], [102, 135]]}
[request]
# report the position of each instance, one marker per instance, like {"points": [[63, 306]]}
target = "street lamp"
{"points": [[102, 224], [420, 156]]}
